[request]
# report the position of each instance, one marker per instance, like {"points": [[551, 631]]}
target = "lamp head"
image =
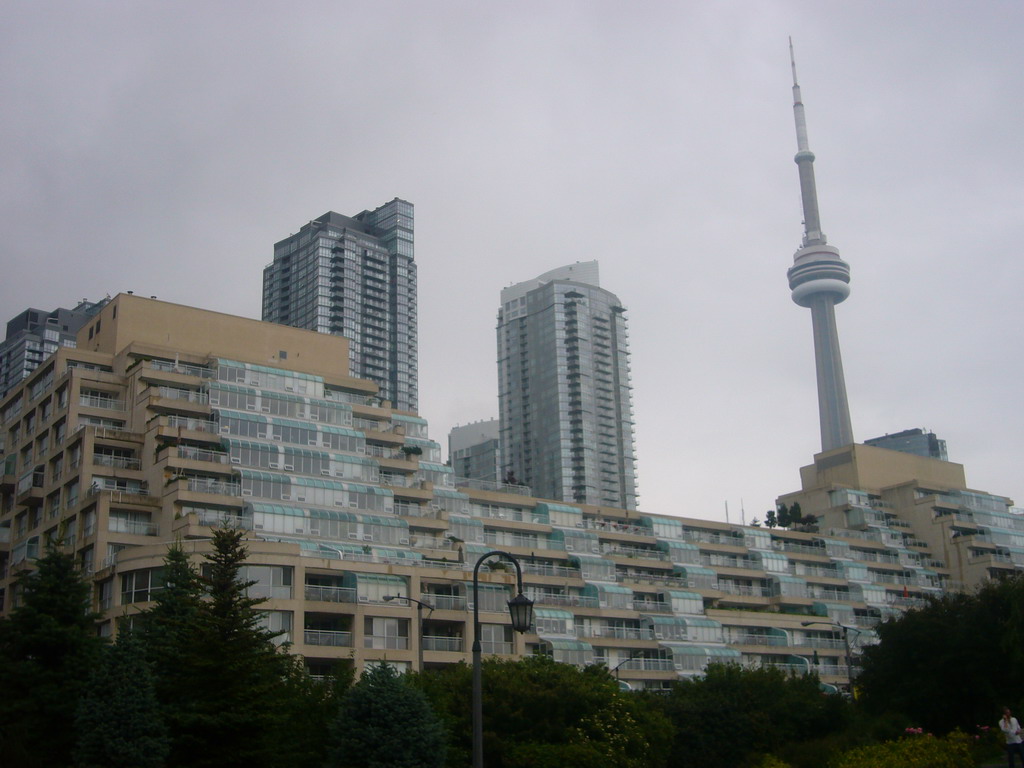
{"points": [[520, 608]]}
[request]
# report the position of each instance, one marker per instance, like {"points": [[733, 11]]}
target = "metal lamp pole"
{"points": [[846, 642], [520, 608], [420, 605]]}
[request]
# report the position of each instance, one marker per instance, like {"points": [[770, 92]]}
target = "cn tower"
{"points": [[819, 280]]}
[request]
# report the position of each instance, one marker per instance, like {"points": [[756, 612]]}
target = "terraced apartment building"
{"points": [[166, 421]]}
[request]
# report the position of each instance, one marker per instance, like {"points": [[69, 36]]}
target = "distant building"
{"points": [[34, 335], [354, 277], [564, 393], [915, 441], [474, 451]]}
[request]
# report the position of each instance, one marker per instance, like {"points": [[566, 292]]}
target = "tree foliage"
{"points": [[384, 722], [733, 714], [118, 721], [541, 713], [220, 676], [953, 663], [48, 645]]}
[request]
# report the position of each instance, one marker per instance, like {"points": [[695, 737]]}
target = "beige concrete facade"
{"points": [[168, 420]]}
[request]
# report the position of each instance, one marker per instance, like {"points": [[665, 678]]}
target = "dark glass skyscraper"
{"points": [[564, 392], [354, 277]]}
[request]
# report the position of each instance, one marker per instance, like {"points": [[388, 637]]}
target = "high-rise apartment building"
{"points": [[916, 441], [564, 392], [354, 277], [474, 451], [34, 335]]}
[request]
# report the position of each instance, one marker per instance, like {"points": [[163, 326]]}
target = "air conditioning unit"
{"points": [[273, 465], [354, 504], [298, 529], [247, 491], [325, 472], [265, 409], [235, 460], [300, 498], [314, 531], [258, 526], [403, 541], [314, 442], [367, 537], [225, 430], [288, 467], [250, 406], [286, 496], [353, 535], [339, 502], [261, 434]]}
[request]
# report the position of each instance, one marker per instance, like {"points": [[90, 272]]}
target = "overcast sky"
{"points": [[163, 147]]}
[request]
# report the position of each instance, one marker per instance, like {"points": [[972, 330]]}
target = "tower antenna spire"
{"points": [[820, 279]]}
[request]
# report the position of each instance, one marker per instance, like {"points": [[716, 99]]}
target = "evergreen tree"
{"points": [[230, 673], [48, 645], [386, 723], [118, 722], [771, 518]]}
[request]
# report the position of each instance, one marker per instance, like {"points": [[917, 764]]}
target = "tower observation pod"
{"points": [[820, 279]]}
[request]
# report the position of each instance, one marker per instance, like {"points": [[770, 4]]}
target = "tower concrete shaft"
{"points": [[820, 279]]}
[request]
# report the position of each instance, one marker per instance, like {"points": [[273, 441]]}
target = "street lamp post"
{"points": [[846, 642], [420, 605], [632, 655], [520, 608]]}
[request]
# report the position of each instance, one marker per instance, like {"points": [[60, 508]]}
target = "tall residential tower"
{"points": [[819, 280], [564, 394], [354, 277]]}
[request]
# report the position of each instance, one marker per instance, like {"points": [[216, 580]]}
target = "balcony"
{"points": [[327, 594], [449, 644], [116, 462], [105, 403], [328, 637]]}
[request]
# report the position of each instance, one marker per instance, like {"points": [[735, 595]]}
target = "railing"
{"points": [[190, 395], [516, 515], [386, 642], [747, 590], [647, 554], [327, 594], [135, 527], [106, 403], [201, 454], [209, 485], [546, 569], [830, 643], [619, 633], [490, 485], [431, 643], [183, 368], [750, 639], [224, 520], [196, 425], [328, 637], [574, 600], [805, 549], [616, 526], [727, 561], [641, 664], [415, 510], [652, 605], [445, 602], [118, 462], [506, 539]]}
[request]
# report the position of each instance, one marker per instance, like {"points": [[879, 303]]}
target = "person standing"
{"points": [[1011, 729]]}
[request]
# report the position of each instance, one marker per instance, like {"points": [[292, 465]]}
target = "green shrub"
{"points": [[771, 761], [914, 751]]}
